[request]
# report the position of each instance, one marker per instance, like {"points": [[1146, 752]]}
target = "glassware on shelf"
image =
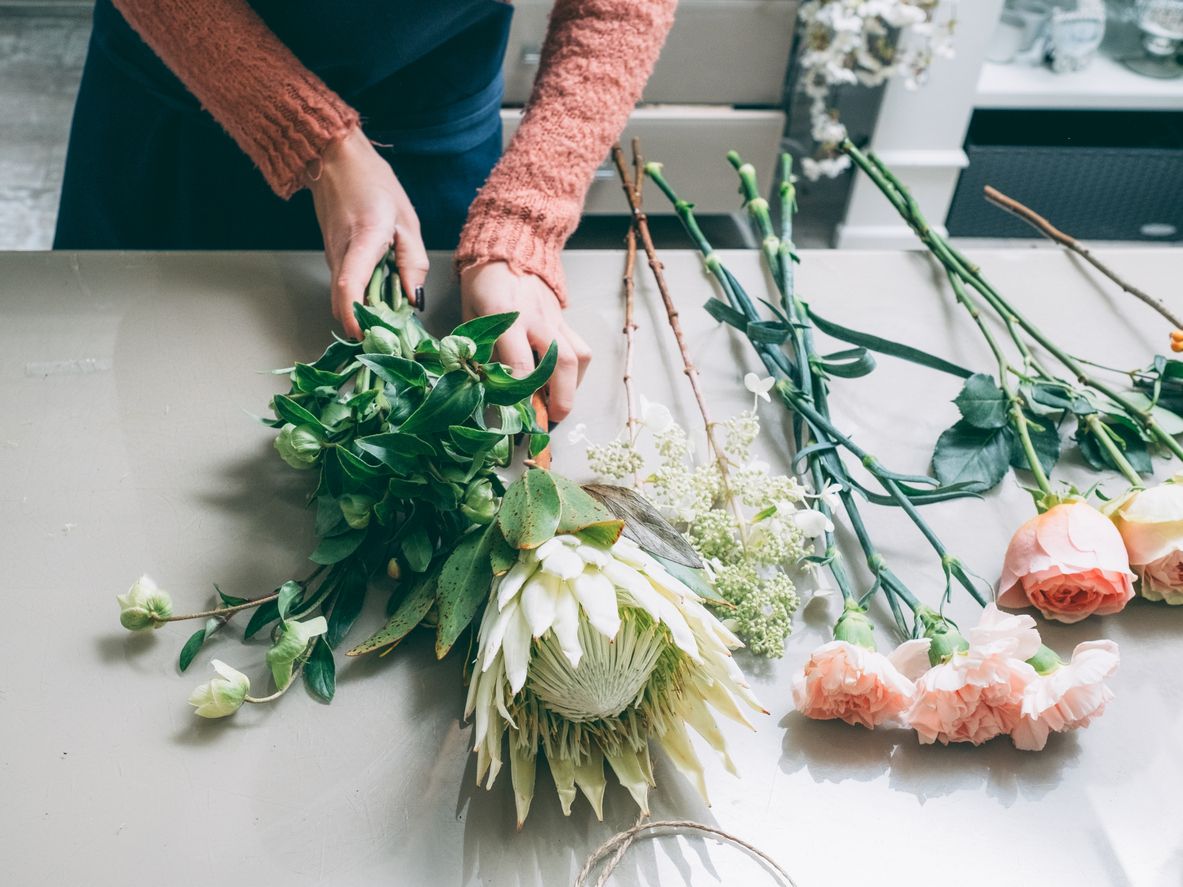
{"points": [[1161, 23], [1075, 34]]}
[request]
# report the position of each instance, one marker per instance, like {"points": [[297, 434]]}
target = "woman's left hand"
{"points": [[492, 288]]}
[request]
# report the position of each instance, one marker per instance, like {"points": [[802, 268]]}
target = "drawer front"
{"points": [[692, 143], [727, 52]]}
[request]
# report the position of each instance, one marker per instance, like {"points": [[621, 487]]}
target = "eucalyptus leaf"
{"points": [[577, 508], [530, 510], [502, 555]]}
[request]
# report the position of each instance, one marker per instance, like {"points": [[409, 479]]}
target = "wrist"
{"points": [[341, 153]]}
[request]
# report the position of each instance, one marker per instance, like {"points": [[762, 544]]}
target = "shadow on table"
{"points": [[551, 849], [832, 751]]}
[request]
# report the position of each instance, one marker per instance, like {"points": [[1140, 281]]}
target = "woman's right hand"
{"points": [[362, 209]]}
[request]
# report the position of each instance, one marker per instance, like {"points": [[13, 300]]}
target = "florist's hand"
{"points": [[362, 209], [492, 288]]}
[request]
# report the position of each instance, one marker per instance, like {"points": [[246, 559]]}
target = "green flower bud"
{"points": [[357, 509], [1045, 661], [221, 696], [479, 505], [334, 411], [144, 606], [854, 627], [299, 447], [946, 639], [379, 340], [454, 350], [294, 638]]}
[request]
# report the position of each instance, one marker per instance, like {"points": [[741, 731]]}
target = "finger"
{"points": [[583, 353], [410, 257], [560, 390], [513, 350], [365, 250]]}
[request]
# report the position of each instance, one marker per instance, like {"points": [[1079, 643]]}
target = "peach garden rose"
{"points": [[1069, 563], [1151, 525]]}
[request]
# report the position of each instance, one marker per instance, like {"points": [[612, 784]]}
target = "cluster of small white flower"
{"points": [[749, 527], [850, 42]]}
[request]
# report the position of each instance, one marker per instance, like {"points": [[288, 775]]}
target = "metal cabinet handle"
{"points": [[531, 55]]}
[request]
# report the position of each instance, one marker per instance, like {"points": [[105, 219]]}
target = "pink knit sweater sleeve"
{"points": [[281, 114], [595, 61]]}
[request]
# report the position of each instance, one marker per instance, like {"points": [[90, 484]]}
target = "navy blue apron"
{"points": [[147, 168]]}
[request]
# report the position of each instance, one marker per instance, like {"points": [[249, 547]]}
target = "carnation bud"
{"points": [[144, 606], [299, 447], [380, 340], [294, 638], [357, 509], [854, 627], [946, 639], [1045, 660], [479, 504], [454, 350]]}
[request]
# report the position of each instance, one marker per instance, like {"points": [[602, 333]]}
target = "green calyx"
{"points": [[1046, 660], [854, 627], [298, 446], [945, 639]]}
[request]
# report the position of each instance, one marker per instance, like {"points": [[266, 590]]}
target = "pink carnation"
{"points": [[1069, 562], [1067, 698], [851, 683], [978, 693]]}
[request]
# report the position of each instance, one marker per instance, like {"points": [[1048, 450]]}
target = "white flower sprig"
{"points": [[850, 42]]}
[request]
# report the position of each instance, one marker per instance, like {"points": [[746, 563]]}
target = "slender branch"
{"points": [[1035, 220], [222, 611], [630, 325], [641, 223]]}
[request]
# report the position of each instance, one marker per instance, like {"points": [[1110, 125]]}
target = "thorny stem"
{"points": [[641, 223], [902, 200]]}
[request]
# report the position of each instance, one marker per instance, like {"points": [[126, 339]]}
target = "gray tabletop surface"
{"points": [[126, 447]]}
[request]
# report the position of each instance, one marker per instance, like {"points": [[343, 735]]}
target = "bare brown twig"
{"points": [[641, 223], [1050, 231], [630, 325]]}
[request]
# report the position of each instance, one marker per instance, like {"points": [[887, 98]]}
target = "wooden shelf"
{"points": [[1105, 84]]}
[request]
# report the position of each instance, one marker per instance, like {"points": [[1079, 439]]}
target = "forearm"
{"points": [[278, 112], [596, 59]]}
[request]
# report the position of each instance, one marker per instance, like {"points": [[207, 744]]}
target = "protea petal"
{"points": [[562, 770], [516, 647], [676, 743], [539, 600], [566, 625], [598, 599], [589, 776], [512, 582], [627, 766], [521, 772]]}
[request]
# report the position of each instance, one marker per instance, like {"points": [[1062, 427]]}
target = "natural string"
{"points": [[619, 844]]}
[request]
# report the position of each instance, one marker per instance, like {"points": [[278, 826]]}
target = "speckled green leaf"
{"points": [[464, 586], [530, 511], [410, 613]]}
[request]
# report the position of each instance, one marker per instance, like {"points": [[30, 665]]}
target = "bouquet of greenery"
{"points": [[588, 646]]}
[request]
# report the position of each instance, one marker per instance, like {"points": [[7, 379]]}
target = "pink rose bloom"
{"points": [[860, 686], [978, 693], [1069, 562], [1151, 524], [1067, 698]]}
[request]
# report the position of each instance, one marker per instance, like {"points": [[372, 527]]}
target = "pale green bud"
{"points": [[454, 350], [1045, 661], [479, 504], [946, 639], [299, 447], [144, 606], [223, 695], [294, 638], [379, 340], [357, 509], [854, 627]]}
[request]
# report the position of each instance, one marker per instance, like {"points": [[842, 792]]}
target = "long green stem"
{"points": [[1102, 436], [899, 197]]}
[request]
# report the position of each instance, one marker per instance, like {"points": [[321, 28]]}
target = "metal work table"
{"points": [[125, 447]]}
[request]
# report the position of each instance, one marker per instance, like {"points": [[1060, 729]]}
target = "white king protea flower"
{"points": [[587, 651]]}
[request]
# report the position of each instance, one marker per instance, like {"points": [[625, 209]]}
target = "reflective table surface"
{"points": [[126, 381]]}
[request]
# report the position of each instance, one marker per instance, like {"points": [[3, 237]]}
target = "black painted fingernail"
{"points": [[420, 298], [551, 426]]}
